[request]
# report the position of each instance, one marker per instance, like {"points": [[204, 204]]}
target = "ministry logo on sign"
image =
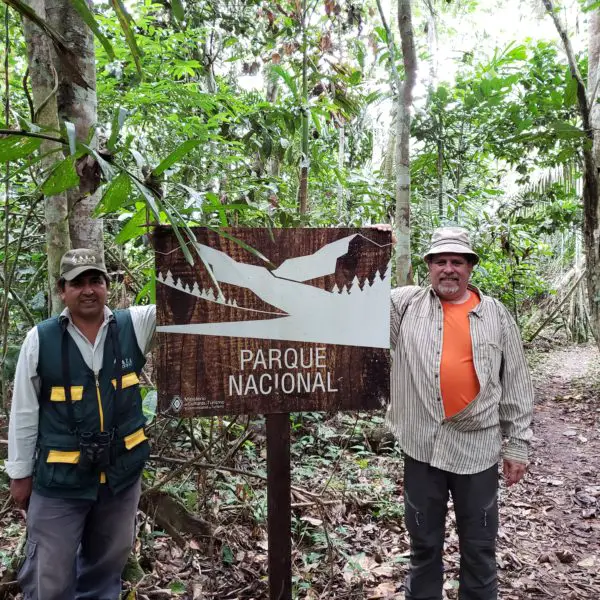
{"points": [[176, 404]]}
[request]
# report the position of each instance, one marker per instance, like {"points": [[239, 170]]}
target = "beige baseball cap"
{"points": [[454, 240], [77, 261]]}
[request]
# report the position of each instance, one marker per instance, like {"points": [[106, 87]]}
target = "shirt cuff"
{"points": [[516, 450], [19, 469]]}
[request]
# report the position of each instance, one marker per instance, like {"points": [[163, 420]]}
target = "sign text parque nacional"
{"points": [[303, 326]]}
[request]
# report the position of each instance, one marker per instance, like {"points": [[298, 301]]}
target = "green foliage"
{"points": [[14, 147], [192, 144], [126, 23], [63, 177], [515, 112], [117, 194]]}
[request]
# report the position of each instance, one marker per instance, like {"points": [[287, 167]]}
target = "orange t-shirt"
{"points": [[458, 379]]}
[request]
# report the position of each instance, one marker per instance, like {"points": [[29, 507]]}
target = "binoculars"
{"points": [[95, 450]]}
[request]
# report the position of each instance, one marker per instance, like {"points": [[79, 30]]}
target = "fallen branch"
{"points": [[173, 517], [185, 465], [207, 466], [557, 308]]}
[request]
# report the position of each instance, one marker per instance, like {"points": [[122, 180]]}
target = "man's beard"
{"points": [[449, 287]]}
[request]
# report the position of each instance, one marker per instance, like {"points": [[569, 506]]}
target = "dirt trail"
{"points": [[550, 524], [549, 540]]}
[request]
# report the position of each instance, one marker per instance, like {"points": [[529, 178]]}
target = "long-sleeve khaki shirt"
{"points": [[470, 441]]}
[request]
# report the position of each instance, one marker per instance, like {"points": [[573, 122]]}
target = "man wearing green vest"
{"points": [[77, 445]]}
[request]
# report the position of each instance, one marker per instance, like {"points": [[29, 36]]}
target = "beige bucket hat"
{"points": [[454, 240]]}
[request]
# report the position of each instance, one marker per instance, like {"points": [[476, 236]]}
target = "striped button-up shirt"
{"points": [[470, 441]]}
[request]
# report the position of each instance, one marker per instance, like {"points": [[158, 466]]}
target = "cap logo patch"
{"points": [[84, 259]]}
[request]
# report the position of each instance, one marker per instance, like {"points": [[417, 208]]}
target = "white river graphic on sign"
{"points": [[351, 316]]}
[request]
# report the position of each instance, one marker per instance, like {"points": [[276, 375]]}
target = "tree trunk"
{"points": [[403, 264], [440, 171], [388, 160], [43, 77], [79, 106], [432, 44], [273, 164], [305, 162], [590, 117], [590, 189], [341, 156]]}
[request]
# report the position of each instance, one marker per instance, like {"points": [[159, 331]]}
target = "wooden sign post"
{"points": [[279, 506], [273, 321]]}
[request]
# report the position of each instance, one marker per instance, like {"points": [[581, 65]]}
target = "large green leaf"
{"points": [[588, 6], [117, 194], [243, 245], [565, 130], [126, 25], [570, 98], [176, 155], [287, 78], [117, 122], [177, 221], [32, 161], [148, 196], [13, 147], [133, 228], [82, 7], [177, 9], [63, 177]]}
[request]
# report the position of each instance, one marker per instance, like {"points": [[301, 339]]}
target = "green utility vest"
{"points": [[94, 408]]}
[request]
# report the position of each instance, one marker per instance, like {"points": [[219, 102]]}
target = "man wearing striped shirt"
{"points": [[460, 386]]}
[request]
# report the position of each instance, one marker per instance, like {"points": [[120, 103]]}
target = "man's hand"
{"points": [[513, 471], [20, 490], [384, 227]]}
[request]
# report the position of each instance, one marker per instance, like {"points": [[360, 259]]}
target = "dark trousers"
{"points": [[77, 549], [426, 493]]}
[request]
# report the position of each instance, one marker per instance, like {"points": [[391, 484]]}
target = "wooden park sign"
{"points": [[273, 321]]}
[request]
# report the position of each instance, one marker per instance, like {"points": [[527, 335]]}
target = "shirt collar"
{"points": [[66, 315], [477, 310]]}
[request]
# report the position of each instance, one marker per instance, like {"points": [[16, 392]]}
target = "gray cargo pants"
{"points": [[426, 494], [77, 549]]}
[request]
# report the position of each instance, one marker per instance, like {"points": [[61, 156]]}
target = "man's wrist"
{"points": [[516, 450]]}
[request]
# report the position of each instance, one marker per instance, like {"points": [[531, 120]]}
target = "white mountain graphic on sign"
{"points": [[351, 316]]}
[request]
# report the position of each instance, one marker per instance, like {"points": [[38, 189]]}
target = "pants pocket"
{"points": [[489, 518], [26, 575], [414, 518]]}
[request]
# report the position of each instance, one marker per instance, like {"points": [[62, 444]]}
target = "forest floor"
{"points": [[349, 541]]}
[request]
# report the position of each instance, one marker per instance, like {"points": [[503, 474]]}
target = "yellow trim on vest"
{"points": [[103, 477], [135, 438], [57, 394], [62, 456], [100, 411], [127, 380]]}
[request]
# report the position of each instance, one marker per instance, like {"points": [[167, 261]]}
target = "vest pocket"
{"points": [[127, 380], [57, 465], [69, 457], [58, 394], [130, 398], [134, 456], [59, 469], [134, 439]]}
